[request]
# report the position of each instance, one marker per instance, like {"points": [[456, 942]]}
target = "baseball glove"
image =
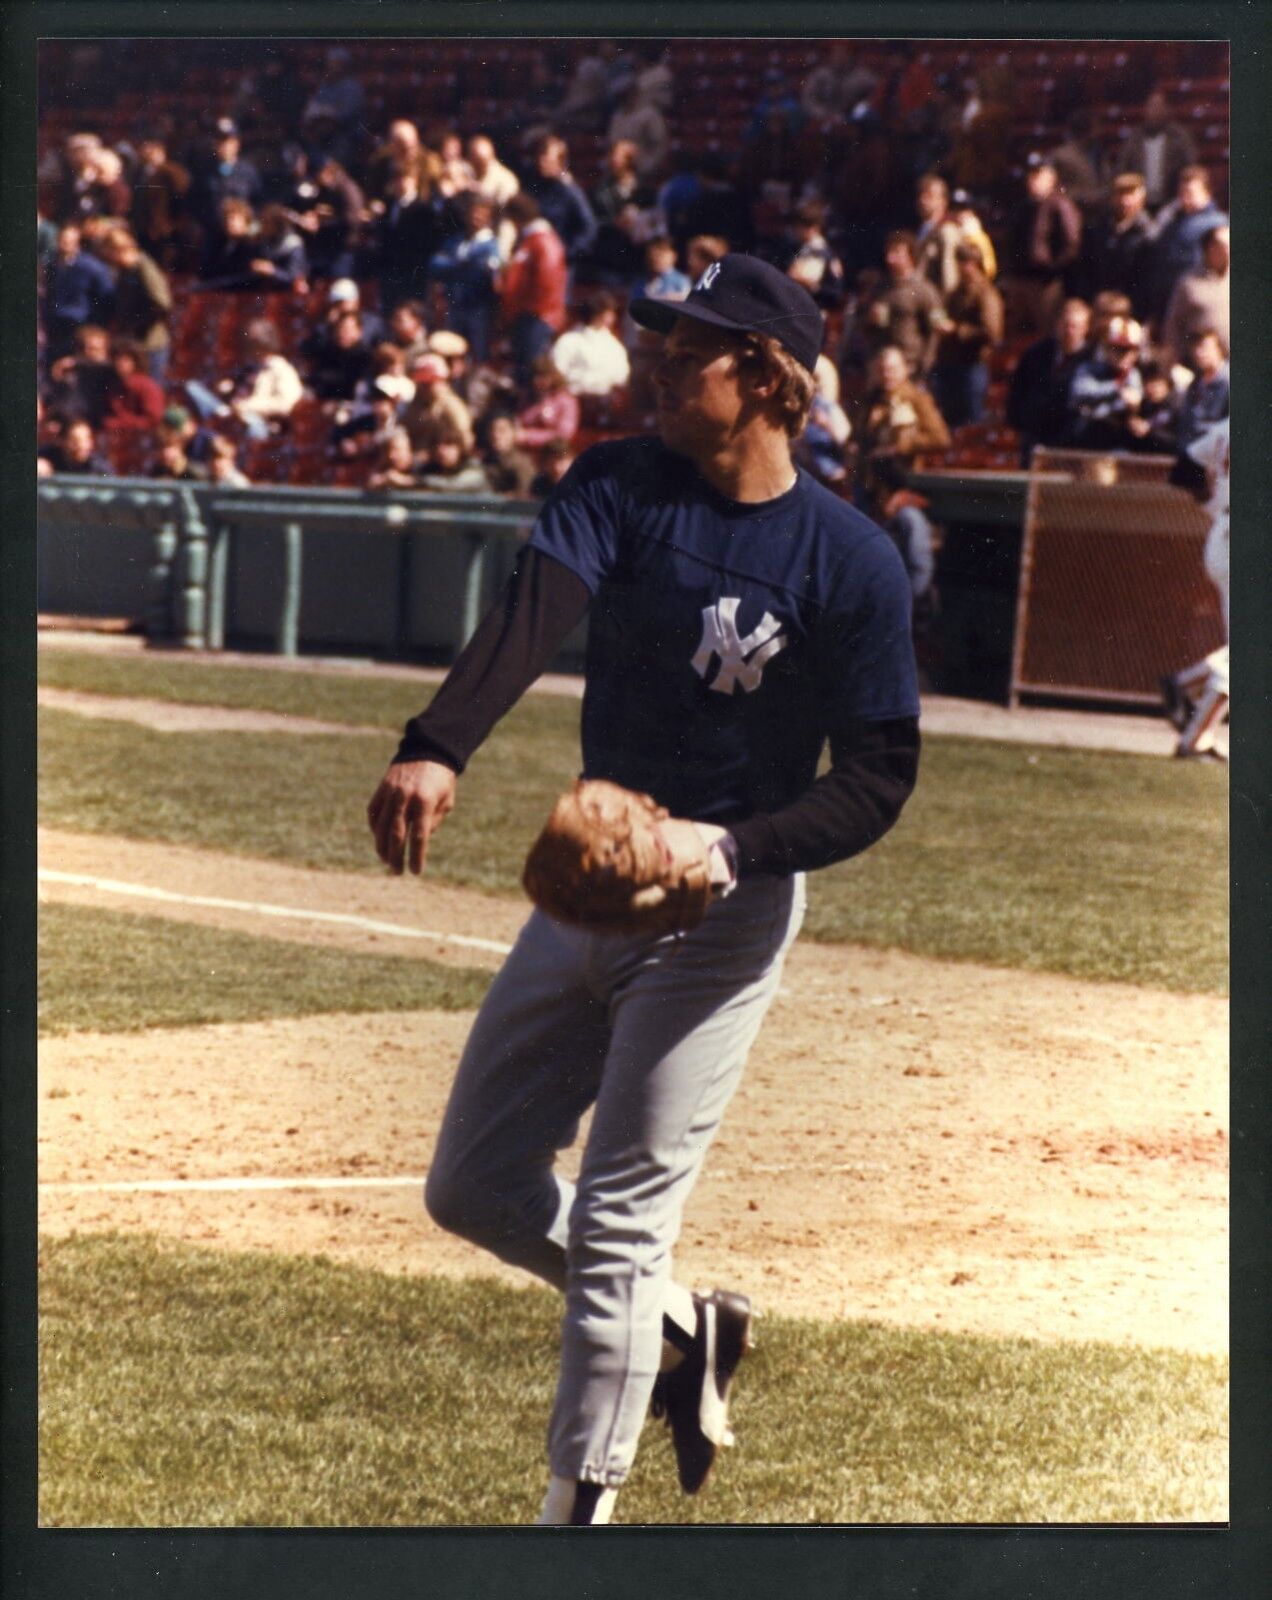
{"points": [[614, 861]]}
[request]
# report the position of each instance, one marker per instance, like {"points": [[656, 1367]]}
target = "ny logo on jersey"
{"points": [[709, 276], [741, 660]]}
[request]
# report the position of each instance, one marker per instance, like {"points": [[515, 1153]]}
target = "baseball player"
{"points": [[1197, 696], [741, 617]]}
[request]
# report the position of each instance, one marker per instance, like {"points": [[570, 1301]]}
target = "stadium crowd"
{"points": [[440, 304]]}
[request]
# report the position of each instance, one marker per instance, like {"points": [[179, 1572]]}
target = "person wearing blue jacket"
{"points": [[80, 289], [467, 267]]}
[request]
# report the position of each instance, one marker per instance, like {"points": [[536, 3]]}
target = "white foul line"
{"points": [[367, 924], [227, 1185]]}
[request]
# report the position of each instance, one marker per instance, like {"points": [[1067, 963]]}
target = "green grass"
{"points": [[113, 972], [182, 1387], [166, 675], [1099, 865]]}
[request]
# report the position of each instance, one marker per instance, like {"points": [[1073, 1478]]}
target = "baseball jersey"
{"points": [[726, 640]]}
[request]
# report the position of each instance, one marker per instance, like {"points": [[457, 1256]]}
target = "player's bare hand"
{"points": [[410, 803]]}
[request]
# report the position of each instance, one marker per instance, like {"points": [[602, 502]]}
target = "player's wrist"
{"points": [[722, 858]]}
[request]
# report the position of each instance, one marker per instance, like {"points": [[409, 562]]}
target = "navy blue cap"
{"points": [[746, 295]]}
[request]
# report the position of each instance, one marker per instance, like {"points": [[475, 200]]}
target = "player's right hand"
{"points": [[410, 803]]}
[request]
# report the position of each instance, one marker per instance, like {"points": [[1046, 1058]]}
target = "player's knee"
{"points": [[459, 1205]]}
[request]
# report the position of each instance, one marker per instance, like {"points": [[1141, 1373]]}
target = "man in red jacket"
{"points": [[532, 291], [134, 402]]}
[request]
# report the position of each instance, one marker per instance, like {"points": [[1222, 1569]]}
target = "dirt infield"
{"points": [[915, 1141]]}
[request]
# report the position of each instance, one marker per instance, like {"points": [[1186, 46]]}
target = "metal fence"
{"points": [[194, 532]]}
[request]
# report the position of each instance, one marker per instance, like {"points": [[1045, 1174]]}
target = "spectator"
{"points": [[938, 234], [142, 300], [134, 401], [1107, 390], [590, 357], [1181, 230], [229, 250], [333, 114], [1155, 427], [1206, 400], [638, 122], [226, 176], [75, 197], [77, 452], [836, 86], [436, 408], [395, 466], [532, 290], [556, 460], [453, 349], [585, 104], [223, 468], [407, 237], [562, 202], [719, 209], [1159, 149], [1046, 235], [907, 313], [820, 448], [491, 179], [329, 216], [1079, 160], [263, 392], [369, 426], [972, 230], [280, 262], [78, 381], [654, 77], [898, 422], [109, 196], [1037, 398], [677, 197], [617, 202], [509, 469], [960, 376], [401, 154], [79, 290], [175, 466], [1109, 303], [386, 374], [177, 426], [467, 268], [665, 281], [452, 468], [1199, 301], [1116, 249], [552, 414], [160, 188], [408, 332], [337, 357], [814, 263]]}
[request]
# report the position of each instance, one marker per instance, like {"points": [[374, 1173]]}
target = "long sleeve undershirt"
{"points": [[873, 768]]}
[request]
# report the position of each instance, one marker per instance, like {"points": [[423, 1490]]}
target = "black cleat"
{"points": [[1179, 708], [694, 1397]]}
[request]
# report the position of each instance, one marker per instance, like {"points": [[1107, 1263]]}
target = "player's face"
{"points": [[699, 391]]}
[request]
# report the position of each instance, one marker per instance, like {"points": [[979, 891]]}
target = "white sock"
{"points": [[558, 1504], [679, 1306]]}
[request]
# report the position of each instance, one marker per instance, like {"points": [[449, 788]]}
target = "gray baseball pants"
{"points": [[653, 1034]]}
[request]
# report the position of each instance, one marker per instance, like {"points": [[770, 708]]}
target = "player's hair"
{"points": [[796, 386]]}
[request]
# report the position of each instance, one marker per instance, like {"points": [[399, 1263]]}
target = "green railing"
{"points": [[192, 527]]}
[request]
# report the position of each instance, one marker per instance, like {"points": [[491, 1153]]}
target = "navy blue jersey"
{"points": [[727, 640]]}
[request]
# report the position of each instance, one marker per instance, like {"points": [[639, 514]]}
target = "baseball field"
{"points": [[975, 1178]]}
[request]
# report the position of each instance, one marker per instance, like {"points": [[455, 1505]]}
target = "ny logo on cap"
{"points": [[720, 638], [709, 276]]}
